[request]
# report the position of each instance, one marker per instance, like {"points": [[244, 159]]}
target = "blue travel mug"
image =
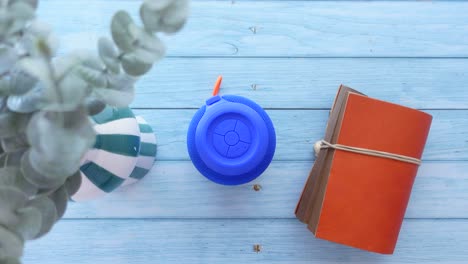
{"points": [[231, 139]]}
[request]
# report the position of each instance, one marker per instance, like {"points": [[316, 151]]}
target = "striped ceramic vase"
{"points": [[124, 152]]}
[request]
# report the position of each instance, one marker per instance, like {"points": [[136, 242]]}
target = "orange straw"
{"points": [[217, 85]]}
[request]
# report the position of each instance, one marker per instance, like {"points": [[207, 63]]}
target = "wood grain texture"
{"points": [[290, 57], [298, 130], [231, 241], [176, 190], [306, 83], [286, 28]]}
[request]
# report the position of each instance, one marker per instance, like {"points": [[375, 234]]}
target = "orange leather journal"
{"points": [[357, 199]]}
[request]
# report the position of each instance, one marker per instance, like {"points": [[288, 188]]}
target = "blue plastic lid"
{"points": [[231, 140]]}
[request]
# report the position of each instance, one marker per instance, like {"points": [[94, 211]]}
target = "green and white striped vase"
{"points": [[124, 152]]}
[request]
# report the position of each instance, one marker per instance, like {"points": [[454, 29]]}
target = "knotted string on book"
{"points": [[322, 144]]}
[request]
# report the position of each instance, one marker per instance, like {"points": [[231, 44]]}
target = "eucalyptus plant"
{"points": [[46, 101]]}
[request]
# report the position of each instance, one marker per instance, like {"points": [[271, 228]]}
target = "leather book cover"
{"points": [[357, 199]]}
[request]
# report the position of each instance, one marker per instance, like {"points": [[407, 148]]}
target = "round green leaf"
{"points": [[60, 198], [94, 106], [92, 70], [7, 127], [39, 40], [39, 29], [134, 65], [90, 60], [20, 14], [30, 222], [11, 198], [48, 213], [109, 55], [120, 31], [149, 48], [5, 90], [25, 186], [93, 77], [74, 90], [12, 158], [69, 89], [11, 261], [28, 102], [58, 142], [8, 175], [121, 82], [151, 18], [16, 143], [73, 183], [8, 58], [5, 22], [175, 16], [169, 18], [64, 65], [38, 68], [21, 10], [12, 123], [12, 176], [119, 92], [11, 245], [21, 82], [36, 178], [8, 218]]}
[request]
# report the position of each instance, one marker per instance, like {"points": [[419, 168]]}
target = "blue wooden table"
{"points": [[289, 56]]}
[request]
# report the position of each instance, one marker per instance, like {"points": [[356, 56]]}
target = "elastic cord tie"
{"points": [[322, 144]]}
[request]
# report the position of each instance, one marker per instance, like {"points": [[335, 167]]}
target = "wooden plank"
{"points": [[298, 130], [285, 28], [177, 190], [306, 83], [231, 241]]}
